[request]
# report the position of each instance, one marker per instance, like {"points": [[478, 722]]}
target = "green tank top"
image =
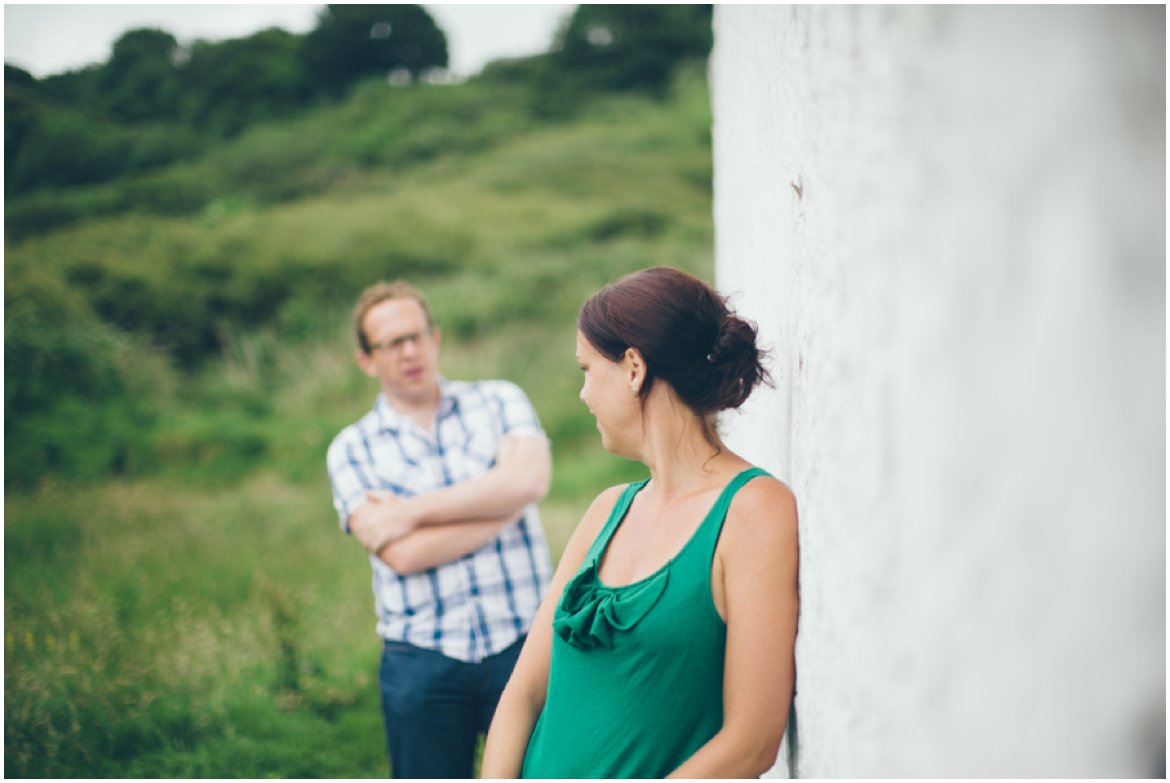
{"points": [[635, 681]]}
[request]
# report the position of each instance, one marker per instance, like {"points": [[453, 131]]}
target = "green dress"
{"points": [[636, 676]]}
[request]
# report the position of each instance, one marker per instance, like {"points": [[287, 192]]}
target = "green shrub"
{"points": [[181, 191], [73, 397], [67, 148]]}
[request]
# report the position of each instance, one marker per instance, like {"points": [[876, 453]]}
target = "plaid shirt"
{"points": [[478, 605]]}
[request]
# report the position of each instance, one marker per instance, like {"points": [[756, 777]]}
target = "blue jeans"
{"points": [[435, 708]]}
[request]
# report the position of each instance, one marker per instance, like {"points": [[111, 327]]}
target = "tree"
{"points": [[78, 88], [141, 80], [234, 83], [622, 47], [20, 110], [352, 42], [65, 147]]}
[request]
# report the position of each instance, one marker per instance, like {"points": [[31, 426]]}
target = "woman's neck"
{"points": [[680, 448]]}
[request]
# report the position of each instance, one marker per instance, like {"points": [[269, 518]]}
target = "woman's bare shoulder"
{"points": [[764, 510]]}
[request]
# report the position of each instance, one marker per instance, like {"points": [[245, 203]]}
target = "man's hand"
{"points": [[382, 520]]}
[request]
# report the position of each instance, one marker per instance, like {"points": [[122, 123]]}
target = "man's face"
{"points": [[404, 351]]}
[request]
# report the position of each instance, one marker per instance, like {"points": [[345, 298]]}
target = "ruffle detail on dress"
{"points": [[589, 613]]}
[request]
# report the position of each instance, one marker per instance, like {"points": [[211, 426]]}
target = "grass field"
{"points": [[152, 630]]}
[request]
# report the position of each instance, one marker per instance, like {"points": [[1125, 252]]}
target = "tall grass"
{"points": [[186, 605], [160, 631]]}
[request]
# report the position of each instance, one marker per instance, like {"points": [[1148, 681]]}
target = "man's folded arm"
{"points": [[520, 477], [435, 545]]}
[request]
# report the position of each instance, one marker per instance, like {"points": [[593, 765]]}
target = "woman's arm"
{"points": [[757, 558], [523, 698]]}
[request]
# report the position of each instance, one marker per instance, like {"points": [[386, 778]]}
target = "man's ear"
{"points": [[366, 362]]}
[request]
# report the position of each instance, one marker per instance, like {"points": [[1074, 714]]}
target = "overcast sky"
{"points": [[48, 39]]}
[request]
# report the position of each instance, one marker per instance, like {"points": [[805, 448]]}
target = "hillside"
{"points": [[178, 600]]}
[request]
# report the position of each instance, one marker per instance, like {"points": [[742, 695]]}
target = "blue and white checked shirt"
{"points": [[480, 604]]}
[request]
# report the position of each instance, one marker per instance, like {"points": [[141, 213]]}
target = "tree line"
{"points": [[156, 101]]}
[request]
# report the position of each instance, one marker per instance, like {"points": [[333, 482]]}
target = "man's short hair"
{"points": [[381, 292]]}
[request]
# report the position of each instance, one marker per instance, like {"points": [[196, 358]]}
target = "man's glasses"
{"points": [[398, 343]]}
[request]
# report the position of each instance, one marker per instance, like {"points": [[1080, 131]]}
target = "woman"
{"points": [[664, 646]]}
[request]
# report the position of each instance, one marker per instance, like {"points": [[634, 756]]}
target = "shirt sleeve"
{"points": [[517, 416], [348, 475]]}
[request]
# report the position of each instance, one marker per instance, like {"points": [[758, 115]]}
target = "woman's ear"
{"points": [[635, 366]]}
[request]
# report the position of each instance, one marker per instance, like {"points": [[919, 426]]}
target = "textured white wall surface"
{"points": [[949, 224]]}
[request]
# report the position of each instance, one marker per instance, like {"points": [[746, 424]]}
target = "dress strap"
{"points": [[615, 517], [713, 524]]}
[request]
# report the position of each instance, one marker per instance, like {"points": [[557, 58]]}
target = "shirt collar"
{"points": [[392, 420]]}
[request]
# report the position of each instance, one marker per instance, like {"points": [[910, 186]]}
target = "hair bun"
{"points": [[737, 359], [735, 336]]}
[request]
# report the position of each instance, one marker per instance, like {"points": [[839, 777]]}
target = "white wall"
{"points": [[966, 302]]}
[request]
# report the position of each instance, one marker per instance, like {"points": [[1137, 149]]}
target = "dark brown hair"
{"points": [[378, 293], [686, 333]]}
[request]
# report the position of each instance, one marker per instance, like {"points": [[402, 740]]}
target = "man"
{"points": [[439, 483]]}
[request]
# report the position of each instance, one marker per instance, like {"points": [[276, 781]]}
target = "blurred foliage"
{"points": [[631, 47], [157, 102], [352, 42], [78, 399], [509, 220], [141, 80], [178, 601], [244, 81]]}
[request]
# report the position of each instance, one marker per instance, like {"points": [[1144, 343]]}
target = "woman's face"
{"points": [[608, 393]]}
